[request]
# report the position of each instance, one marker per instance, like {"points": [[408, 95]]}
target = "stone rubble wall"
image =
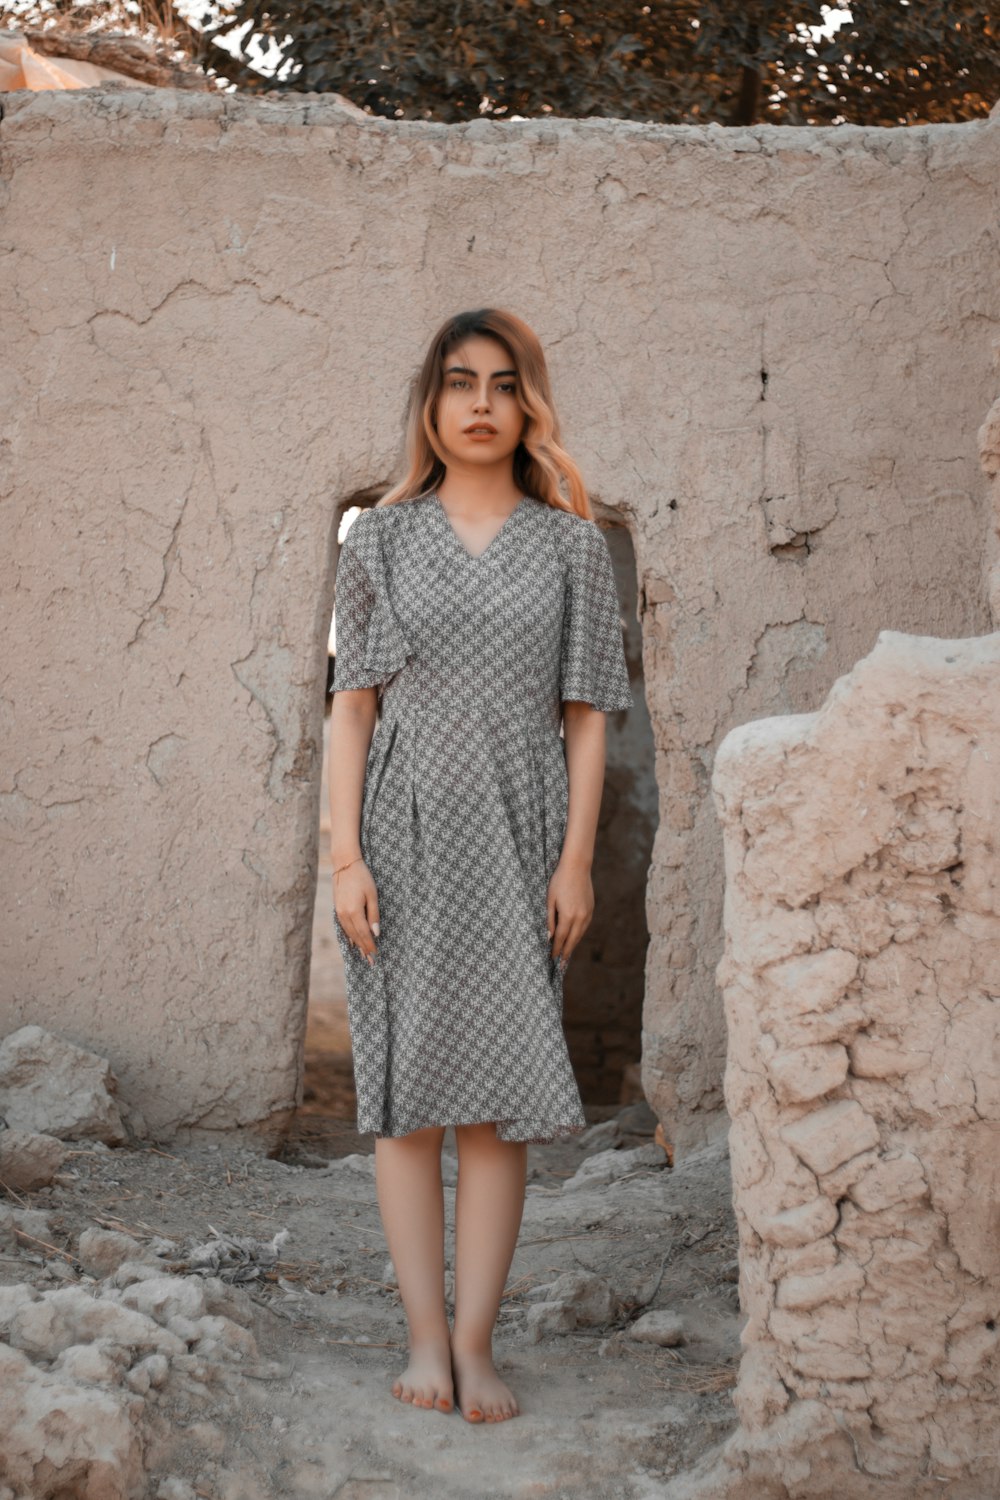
{"points": [[861, 983]]}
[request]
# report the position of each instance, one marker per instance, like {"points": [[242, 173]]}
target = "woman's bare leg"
{"points": [[489, 1202], [411, 1202]]}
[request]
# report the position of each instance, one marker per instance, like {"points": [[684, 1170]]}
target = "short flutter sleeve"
{"points": [[370, 645], [592, 664]]}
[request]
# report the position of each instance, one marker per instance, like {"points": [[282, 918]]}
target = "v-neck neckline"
{"points": [[476, 557]]}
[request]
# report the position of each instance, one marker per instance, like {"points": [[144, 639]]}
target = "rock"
{"points": [[63, 1439], [101, 1251], [871, 1057], [357, 1161], [161, 1245], [34, 1222], [29, 1159], [71, 1315], [94, 1364], [608, 1166], [12, 1298], [227, 1301], [890, 1180], [789, 1227], [156, 1366], [832, 1135], [802, 1293], [637, 1119], [604, 1134], [591, 1298], [811, 981], [164, 1298], [549, 1318], [61, 1270], [135, 1270], [185, 1328], [800, 1074], [50, 1085], [138, 1380], [226, 1336], [8, 1225], [659, 1327], [174, 1488]]}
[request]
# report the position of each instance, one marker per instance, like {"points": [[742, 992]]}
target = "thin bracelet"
{"points": [[349, 863]]}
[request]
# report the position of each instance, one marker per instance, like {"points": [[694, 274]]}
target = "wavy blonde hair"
{"points": [[540, 461]]}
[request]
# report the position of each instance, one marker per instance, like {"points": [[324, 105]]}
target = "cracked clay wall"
{"points": [[861, 979], [770, 347]]}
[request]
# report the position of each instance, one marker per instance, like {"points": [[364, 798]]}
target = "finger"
{"points": [[359, 934], [366, 941], [567, 938], [561, 938]]}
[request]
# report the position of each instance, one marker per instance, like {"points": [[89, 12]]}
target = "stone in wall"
{"points": [[861, 982]]}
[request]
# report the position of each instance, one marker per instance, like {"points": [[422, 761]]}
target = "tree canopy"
{"points": [[681, 62]]}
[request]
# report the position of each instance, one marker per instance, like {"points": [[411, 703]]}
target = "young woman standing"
{"points": [[478, 648]]}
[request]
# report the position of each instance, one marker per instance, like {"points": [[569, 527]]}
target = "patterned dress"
{"points": [[459, 1018]]}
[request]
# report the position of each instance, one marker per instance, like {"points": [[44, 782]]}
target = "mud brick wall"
{"points": [[861, 984]]}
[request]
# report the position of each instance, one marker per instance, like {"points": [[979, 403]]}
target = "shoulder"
{"points": [[378, 523], [364, 528], [568, 523], [388, 521], [578, 538]]}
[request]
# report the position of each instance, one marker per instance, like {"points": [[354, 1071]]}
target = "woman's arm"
{"points": [[352, 723], [571, 894]]}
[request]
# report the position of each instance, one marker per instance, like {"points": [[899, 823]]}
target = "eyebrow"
{"points": [[464, 370]]}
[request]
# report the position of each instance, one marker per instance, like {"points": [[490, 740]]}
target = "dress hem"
{"points": [[545, 1135]]}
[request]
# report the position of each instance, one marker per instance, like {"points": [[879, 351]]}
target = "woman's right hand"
{"points": [[355, 901]]}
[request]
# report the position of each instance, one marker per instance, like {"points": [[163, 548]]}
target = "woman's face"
{"points": [[479, 389]]}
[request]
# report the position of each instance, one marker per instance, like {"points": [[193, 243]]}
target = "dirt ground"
{"points": [[601, 1414]]}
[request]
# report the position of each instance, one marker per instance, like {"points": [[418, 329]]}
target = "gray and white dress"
{"points": [[459, 1018]]}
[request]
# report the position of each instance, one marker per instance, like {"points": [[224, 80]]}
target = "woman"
{"points": [[476, 618]]}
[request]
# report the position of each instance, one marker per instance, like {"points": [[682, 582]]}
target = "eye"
{"points": [[508, 385]]}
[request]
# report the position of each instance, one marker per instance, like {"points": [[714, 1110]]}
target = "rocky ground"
{"points": [[209, 1321]]}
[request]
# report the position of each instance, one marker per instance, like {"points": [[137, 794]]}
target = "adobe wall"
{"points": [[770, 348], [861, 980]]}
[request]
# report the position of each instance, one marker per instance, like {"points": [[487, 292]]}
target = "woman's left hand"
{"points": [[570, 907]]}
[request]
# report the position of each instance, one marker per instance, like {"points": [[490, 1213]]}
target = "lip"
{"points": [[471, 430]]}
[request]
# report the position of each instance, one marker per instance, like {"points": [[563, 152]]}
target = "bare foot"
{"points": [[427, 1379], [482, 1395]]}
